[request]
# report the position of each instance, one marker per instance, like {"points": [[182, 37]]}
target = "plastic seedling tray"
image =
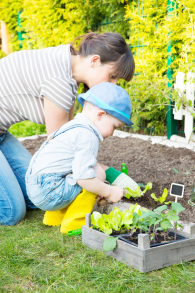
{"points": [[143, 257], [125, 236]]}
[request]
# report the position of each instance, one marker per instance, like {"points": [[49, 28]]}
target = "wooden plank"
{"points": [[143, 241], [144, 259], [124, 252], [169, 254], [88, 220], [192, 230]]}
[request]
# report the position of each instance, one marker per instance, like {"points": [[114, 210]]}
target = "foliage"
{"points": [[2, 54], [157, 34], [137, 218], [158, 37], [173, 215], [49, 23], [27, 128], [9, 13], [162, 198], [116, 220], [110, 243], [137, 192]]}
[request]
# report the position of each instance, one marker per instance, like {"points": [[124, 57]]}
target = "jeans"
{"points": [[14, 162], [51, 192]]}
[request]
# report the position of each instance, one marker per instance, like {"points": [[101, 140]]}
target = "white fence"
{"points": [[188, 90]]}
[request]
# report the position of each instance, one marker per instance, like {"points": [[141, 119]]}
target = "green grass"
{"points": [[27, 128], [38, 258]]}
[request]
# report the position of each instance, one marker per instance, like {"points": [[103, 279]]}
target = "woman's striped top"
{"points": [[26, 76]]}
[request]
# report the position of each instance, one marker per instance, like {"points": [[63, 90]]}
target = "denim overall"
{"points": [[51, 192]]}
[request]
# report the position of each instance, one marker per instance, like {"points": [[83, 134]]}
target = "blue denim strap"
{"points": [[69, 128], [50, 138]]}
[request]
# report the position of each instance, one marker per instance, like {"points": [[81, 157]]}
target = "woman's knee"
{"points": [[100, 173], [14, 219], [13, 214]]}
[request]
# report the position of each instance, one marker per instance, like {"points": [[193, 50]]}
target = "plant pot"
{"points": [[134, 238], [143, 257]]}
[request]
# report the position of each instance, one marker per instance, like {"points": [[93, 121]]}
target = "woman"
{"points": [[41, 86]]}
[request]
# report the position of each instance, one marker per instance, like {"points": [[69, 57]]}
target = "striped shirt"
{"points": [[26, 76]]}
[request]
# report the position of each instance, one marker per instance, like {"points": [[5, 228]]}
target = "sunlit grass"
{"points": [[38, 258], [27, 128]]}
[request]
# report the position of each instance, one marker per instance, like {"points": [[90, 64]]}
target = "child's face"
{"points": [[107, 124]]}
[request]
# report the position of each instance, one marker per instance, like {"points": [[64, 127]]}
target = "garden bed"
{"points": [[143, 258], [146, 163]]}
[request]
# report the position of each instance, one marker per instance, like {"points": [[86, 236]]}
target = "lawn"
{"points": [[27, 128], [38, 258]]}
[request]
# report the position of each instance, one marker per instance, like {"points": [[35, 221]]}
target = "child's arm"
{"points": [[94, 185]]}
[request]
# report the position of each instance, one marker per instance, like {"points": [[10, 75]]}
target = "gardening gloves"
{"points": [[72, 217], [117, 178]]}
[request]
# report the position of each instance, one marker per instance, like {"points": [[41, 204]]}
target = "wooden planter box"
{"points": [[143, 258]]}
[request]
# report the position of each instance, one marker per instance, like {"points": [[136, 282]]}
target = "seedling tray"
{"points": [[125, 236], [143, 257]]}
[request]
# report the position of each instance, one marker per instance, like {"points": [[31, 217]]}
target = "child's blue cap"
{"points": [[111, 98]]}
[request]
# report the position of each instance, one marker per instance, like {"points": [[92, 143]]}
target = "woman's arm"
{"points": [[54, 116]]}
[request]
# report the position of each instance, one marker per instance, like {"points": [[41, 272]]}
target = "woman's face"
{"points": [[98, 73]]}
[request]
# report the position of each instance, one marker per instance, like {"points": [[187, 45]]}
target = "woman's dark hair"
{"points": [[111, 47]]}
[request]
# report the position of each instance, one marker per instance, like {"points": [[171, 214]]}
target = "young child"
{"points": [[67, 161]]}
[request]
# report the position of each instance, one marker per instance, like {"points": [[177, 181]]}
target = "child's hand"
{"points": [[116, 193], [101, 201]]}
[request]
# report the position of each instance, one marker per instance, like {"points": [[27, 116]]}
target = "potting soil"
{"points": [[159, 239]]}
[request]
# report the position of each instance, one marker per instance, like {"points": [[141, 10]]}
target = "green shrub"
{"points": [[155, 35]]}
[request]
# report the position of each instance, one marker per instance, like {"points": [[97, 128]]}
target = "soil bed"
{"points": [[146, 163]]}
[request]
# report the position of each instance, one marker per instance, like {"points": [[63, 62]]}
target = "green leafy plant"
{"points": [[162, 198], [138, 219], [116, 220], [110, 243], [137, 192], [147, 28], [173, 215]]}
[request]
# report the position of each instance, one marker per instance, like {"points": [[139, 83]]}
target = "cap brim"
{"points": [[110, 112]]}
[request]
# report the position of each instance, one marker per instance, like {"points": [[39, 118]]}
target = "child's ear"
{"points": [[101, 114]]}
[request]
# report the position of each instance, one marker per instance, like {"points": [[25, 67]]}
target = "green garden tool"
{"points": [[75, 232], [124, 168]]}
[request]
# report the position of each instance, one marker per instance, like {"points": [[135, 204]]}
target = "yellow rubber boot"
{"points": [[54, 218], [74, 217]]}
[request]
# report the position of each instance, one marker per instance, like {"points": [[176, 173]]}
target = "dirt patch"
{"points": [[146, 163]]}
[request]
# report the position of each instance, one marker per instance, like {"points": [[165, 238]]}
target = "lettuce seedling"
{"points": [[114, 219], [162, 198], [137, 192], [99, 222]]}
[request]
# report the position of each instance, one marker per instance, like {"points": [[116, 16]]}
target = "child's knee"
{"points": [[100, 173]]}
